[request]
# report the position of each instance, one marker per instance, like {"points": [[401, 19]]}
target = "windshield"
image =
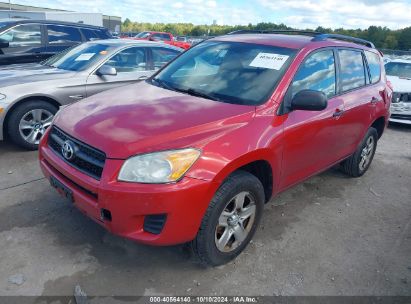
{"points": [[399, 69], [78, 58], [143, 35], [232, 72]]}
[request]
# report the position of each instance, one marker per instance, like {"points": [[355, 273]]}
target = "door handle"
{"points": [[374, 100], [76, 97], [142, 77], [338, 113]]}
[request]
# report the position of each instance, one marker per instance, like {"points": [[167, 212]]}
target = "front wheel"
{"points": [[358, 163], [29, 121], [230, 220]]}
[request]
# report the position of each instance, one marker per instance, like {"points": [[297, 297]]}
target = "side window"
{"points": [[129, 60], [165, 37], [63, 34], [89, 34], [23, 35], [374, 65], [352, 72], [316, 73], [162, 55]]}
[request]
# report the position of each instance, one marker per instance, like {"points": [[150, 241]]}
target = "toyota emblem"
{"points": [[68, 150]]}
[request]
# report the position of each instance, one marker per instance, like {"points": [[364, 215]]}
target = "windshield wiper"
{"points": [[197, 94], [162, 84]]}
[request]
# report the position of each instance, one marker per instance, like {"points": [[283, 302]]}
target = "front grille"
{"points": [[401, 116], [86, 159], [401, 97], [154, 223]]}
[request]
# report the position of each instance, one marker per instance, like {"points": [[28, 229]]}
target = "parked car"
{"points": [[192, 154], [30, 94], [167, 38], [399, 74], [26, 41]]}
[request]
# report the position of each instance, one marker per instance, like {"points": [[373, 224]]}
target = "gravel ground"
{"points": [[331, 235]]}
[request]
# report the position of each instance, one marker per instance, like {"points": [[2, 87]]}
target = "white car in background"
{"points": [[399, 74]]}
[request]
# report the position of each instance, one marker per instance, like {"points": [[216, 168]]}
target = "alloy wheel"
{"points": [[366, 153], [33, 125], [235, 222]]}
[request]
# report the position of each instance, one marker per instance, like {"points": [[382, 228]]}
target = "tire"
{"points": [[358, 163], [28, 122], [239, 225]]}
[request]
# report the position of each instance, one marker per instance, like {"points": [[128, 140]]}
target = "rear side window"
{"points": [[63, 34], [374, 65], [89, 34], [316, 73], [352, 73]]}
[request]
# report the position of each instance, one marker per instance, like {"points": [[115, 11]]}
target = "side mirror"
{"points": [[4, 44], [106, 70], [309, 100]]}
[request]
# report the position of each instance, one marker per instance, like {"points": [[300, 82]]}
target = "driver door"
{"points": [[131, 65], [312, 138]]}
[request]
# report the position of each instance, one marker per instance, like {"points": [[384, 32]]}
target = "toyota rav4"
{"points": [[193, 153]]}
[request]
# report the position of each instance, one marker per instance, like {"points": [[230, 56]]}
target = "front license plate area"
{"points": [[62, 189]]}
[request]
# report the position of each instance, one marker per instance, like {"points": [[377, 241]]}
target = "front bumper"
{"points": [[183, 203], [401, 112]]}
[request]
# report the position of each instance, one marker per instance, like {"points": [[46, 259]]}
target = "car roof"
{"points": [[297, 41], [24, 21], [125, 42]]}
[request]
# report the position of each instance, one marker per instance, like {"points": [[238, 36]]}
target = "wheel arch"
{"points": [[379, 125], [257, 163], [16, 104]]}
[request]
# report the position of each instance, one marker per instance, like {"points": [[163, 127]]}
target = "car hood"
{"points": [[142, 118], [27, 73], [402, 85]]}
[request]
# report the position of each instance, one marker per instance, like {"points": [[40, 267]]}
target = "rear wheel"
{"points": [[358, 163], [29, 121], [230, 220]]}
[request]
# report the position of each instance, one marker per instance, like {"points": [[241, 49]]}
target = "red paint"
{"points": [[172, 41], [143, 118]]}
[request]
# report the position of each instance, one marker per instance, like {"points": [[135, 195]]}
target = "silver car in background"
{"points": [[30, 94], [399, 74]]}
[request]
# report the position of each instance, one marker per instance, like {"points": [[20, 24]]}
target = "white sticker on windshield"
{"points": [[269, 61], [85, 57]]}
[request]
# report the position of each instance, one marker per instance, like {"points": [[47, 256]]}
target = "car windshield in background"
{"points": [[399, 69], [78, 58], [232, 72], [143, 35]]}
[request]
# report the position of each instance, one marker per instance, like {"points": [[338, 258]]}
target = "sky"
{"points": [[393, 14]]}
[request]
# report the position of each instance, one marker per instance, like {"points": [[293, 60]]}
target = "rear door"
{"points": [[311, 138], [61, 37], [26, 44], [131, 65], [359, 95]]}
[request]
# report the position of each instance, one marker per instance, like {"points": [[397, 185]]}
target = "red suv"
{"points": [[192, 154]]}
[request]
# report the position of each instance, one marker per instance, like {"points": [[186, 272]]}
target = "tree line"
{"points": [[382, 37]]}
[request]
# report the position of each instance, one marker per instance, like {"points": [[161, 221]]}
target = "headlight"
{"points": [[2, 96], [158, 167]]}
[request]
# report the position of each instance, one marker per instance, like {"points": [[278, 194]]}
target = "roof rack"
{"points": [[323, 37], [311, 33], [317, 36]]}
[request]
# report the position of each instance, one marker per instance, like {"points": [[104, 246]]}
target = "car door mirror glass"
{"points": [[309, 100], [106, 70]]}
